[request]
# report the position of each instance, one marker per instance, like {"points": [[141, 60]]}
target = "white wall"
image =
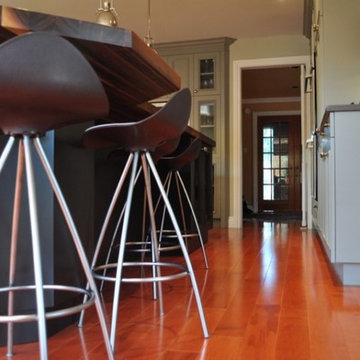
{"points": [[269, 47]]}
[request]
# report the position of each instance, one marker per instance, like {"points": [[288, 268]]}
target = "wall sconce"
{"points": [[106, 14]]}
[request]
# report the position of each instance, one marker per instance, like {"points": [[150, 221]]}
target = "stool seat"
{"points": [[53, 87], [164, 149], [179, 161]]}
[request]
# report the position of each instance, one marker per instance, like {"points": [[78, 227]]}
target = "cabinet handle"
{"points": [[196, 91], [318, 131], [324, 155]]}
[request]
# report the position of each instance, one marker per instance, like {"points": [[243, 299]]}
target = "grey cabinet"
{"points": [[204, 68], [338, 208]]}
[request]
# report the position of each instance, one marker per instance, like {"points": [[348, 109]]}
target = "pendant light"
{"points": [[106, 14], [148, 39]]}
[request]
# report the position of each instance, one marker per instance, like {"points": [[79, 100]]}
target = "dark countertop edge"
{"points": [[20, 20]]}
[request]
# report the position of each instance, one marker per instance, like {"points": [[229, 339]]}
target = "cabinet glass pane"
{"points": [[207, 111], [207, 74]]}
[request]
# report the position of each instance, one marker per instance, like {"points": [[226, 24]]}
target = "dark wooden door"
{"points": [[279, 150]]}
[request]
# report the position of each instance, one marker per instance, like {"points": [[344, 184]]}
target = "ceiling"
{"points": [[179, 20], [278, 82]]}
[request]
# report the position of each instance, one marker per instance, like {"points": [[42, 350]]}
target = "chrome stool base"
{"points": [[25, 164], [46, 84], [16, 318], [184, 272], [171, 233]]}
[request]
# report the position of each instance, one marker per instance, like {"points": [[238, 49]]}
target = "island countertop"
{"points": [[131, 72]]}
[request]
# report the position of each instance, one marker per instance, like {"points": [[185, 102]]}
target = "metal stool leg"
{"points": [[40, 303], [178, 190], [120, 262], [154, 242], [105, 226], [194, 217], [77, 243], [182, 244], [6, 151], [167, 185], [14, 242], [107, 220]]}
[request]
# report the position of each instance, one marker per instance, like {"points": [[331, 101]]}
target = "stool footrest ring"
{"points": [[146, 246], [184, 272], [50, 314], [171, 234]]}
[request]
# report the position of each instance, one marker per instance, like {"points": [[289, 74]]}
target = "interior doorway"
{"points": [[279, 164], [271, 132], [236, 134]]}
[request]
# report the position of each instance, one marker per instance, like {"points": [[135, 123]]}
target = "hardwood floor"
{"points": [[269, 294]]}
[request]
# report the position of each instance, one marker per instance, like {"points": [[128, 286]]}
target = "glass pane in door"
{"points": [[275, 138]]}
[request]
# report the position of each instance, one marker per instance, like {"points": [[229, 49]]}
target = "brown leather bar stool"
{"points": [[141, 139], [174, 164], [45, 84]]}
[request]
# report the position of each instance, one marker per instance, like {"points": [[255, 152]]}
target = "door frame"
{"points": [[255, 117], [236, 152]]}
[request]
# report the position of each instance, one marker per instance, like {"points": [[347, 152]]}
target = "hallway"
{"points": [[269, 294]]}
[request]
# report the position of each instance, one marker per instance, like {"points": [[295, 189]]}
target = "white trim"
{"points": [[304, 153], [271, 100], [235, 220]]}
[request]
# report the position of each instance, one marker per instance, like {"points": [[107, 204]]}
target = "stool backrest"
{"points": [[46, 83], [178, 161], [166, 124]]}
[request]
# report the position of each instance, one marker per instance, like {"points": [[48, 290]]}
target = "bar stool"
{"points": [[45, 84], [140, 140], [144, 244], [174, 164]]}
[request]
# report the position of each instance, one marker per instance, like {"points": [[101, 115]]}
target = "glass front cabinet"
{"points": [[207, 74], [207, 115], [203, 68]]}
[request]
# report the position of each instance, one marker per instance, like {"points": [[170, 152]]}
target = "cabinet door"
{"points": [[207, 115], [183, 65], [347, 194], [325, 222], [207, 74]]}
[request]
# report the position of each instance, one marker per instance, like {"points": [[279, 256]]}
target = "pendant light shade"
{"points": [[106, 14]]}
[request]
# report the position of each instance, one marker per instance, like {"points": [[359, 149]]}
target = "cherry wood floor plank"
{"points": [[269, 294]]}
